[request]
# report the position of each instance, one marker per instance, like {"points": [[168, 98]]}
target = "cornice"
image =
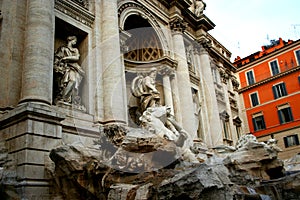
{"points": [[270, 55], [269, 79], [194, 78], [135, 66], [75, 11]]}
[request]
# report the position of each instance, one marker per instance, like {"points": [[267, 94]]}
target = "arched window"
{"points": [[143, 45]]}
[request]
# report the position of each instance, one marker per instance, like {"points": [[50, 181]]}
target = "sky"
{"points": [[243, 26]]}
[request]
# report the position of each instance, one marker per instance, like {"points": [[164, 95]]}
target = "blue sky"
{"points": [[243, 26]]}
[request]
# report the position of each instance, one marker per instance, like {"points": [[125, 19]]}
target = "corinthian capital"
{"points": [[178, 25]]}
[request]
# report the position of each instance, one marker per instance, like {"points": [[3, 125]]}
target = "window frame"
{"points": [[252, 71], [297, 58], [281, 115], [282, 93], [286, 142], [271, 69], [250, 97], [255, 116]]}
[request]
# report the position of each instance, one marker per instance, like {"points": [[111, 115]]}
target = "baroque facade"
{"points": [[59, 89]]}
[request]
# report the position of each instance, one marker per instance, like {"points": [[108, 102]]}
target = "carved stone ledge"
{"points": [[194, 78], [75, 11], [166, 71], [83, 3]]}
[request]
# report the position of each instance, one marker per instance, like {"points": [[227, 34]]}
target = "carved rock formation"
{"points": [[133, 164]]}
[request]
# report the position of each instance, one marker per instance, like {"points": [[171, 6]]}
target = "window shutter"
{"points": [[297, 139], [284, 89], [298, 55], [285, 142], [248, 77], [263, 122], [254, 124], [274, 68], [280, 117], [275, 92], [290, 114], [254, 99]]}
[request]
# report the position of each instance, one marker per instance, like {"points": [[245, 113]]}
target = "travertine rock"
{"points": [[254, 162], [130, 171]]}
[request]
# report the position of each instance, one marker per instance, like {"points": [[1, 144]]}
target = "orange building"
{"points": [[270, 90]]}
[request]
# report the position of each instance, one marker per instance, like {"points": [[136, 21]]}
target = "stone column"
{"points": [[204, 112], [38, 52], [210, 97], [184, 85], [113, 73], [175, 97], [166, 71], [97, 62]]}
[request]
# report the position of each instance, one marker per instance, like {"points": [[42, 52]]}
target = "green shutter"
{"points": [[280, 117], [275, 93], [285, 142], [254, 124]]}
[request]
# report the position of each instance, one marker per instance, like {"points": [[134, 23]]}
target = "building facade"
{"points": [[59, 89], [270, 89]]}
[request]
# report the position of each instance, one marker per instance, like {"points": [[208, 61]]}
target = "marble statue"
{"points": [[158, 119], [155, 120], [199, 7], [69, 73], [143, 87]]}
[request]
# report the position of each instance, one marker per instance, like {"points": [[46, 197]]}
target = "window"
{"points": [[298, 56], [250, 77], [237, 122], [258, 122], [291, 140], [216, 75], [285, 114], [279, 90], [254, 99], [225, 123], [274, 67]]}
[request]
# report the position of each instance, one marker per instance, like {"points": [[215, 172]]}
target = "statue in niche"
{"points": [[143, 87], [69, 73]]}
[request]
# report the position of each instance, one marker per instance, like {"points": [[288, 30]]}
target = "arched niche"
{"points": [[144, 44]]}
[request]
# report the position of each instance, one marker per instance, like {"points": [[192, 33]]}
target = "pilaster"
{"points": [[204, 111], [182, 72], [210, 95], [114, 97]]}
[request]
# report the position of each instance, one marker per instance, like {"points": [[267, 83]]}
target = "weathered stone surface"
{"points": [[253, 163], [199, 182], [247, 173], [293, 164]]}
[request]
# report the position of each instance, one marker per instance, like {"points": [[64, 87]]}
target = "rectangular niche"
{"points": [[63, 30]]}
